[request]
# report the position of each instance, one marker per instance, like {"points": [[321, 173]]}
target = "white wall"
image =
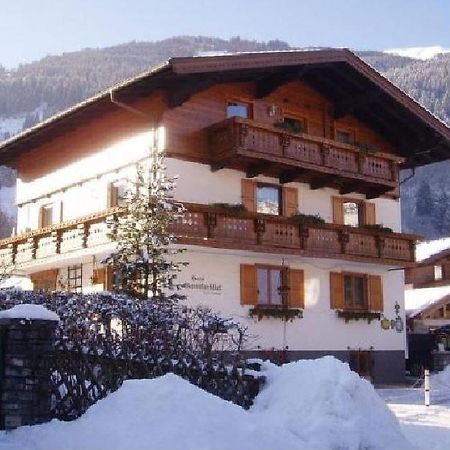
{"points": [[320, 327], [196, 183]]}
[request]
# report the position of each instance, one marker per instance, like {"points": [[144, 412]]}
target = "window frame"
{"points": [[299, 118], [284, 281], [347, 130], [280, 197], [352, 306], [43, 215], [75, 278], [240, 101], [360, 203]]}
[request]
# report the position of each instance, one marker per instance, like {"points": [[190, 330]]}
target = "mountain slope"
{"points": [[35, 91]]}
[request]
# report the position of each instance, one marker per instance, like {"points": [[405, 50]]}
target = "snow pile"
{"points": [[326, 405], [422, 53], [416, 300], [425, 249], [317, 404], [30, 312]]}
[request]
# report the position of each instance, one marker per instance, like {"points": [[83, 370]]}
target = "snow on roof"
{"points": [[31, 312], [426, 249], [416, 300], [304, 405]]}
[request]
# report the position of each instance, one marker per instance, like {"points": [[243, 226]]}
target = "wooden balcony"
{"points": [[219, 228], [264, 149]]}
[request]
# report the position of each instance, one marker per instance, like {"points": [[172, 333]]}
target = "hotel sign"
{"points": [[201, 284]]}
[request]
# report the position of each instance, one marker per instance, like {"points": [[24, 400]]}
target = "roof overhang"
{"points": [[353, 86]]}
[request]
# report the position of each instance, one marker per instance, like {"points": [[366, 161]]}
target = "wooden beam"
{"points": [[266, 85], [377, 192], [321, 182], [180, 92], [256, 169], [287, 176], [347, 188]]}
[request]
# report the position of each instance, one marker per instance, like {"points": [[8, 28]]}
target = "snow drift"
{"points": [[317, 404]]}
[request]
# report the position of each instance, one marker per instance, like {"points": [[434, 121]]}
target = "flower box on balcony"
{"points": [[352, 314], [277, 312]]}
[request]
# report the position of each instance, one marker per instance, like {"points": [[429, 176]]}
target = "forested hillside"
{"points": [[35, 91]]}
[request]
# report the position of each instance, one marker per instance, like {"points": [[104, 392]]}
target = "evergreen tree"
{"points": [[145, 258]]}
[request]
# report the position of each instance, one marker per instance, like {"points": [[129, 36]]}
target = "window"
{"points": [[352, 213], [117, 192], [239, 109], [271, 281], [75, 278], [437, 273], [344, 136], [264, 286], [46, 216], [355, 291], [294, 125], [268, 199]]}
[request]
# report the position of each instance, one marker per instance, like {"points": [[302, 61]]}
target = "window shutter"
{"points": [[290, 201], [112, 195], [249, 285], [338, 212], [99, 276], [108, 278], [249, 194], [296, 289], [41, 217], [369, 213], [336, 290], [375, 293]]}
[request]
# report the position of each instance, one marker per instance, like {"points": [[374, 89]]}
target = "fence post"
{"points": [[427, 387], [27, 334]]}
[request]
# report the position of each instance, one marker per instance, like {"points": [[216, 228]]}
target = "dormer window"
{"points": [[239, 109]]}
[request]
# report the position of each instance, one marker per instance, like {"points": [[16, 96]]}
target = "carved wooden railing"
{"points": [[221, 228], [237, 136]]}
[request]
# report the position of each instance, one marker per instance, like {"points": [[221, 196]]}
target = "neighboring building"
{"points": [[310, 132], [427, 304]]}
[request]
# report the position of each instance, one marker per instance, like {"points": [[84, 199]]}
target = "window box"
{"points": [[353, 314], [277, 312]]}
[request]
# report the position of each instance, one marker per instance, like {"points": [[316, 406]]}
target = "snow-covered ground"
{"points": [[427, 427], [316, 404]]}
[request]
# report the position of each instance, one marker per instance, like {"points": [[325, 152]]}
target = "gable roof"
{"points": [[431, 251], [353, 86]]}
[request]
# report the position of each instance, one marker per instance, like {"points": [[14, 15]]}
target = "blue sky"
{"points": [[31, 29]]}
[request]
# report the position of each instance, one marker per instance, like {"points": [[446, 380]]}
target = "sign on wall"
{"points": [[200, 284]]}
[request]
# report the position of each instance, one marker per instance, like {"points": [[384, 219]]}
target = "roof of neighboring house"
{"points": [[353, 86], [418, 301], [431, 251]]}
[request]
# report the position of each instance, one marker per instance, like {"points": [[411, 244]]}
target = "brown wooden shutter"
{"points": [[112, 195], [336, 290], [108, 279], [338, 211], [296, 289], [41, 217], [249, 285], [290, 201], [99, 276], [375, 293], [249, 194], [369, 213]]}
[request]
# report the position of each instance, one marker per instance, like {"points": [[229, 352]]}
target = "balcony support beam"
{"points": [[321, 182], [256, 169], [287, 176], [347, 188], [376, 192]]}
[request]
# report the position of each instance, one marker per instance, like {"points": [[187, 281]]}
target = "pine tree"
{"points": [[145, 258]]}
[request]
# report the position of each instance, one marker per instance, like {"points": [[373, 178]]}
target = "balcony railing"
{"points": [[217, 227], [242, 142]]}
